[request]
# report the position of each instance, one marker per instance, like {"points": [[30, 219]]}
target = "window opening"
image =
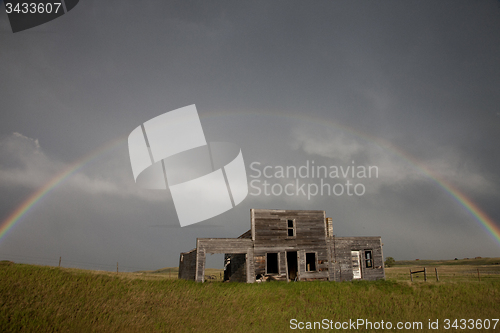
{"points": [[368, 259], [310, 262], [291, 228]]}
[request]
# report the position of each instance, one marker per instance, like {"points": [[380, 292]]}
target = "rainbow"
{"points": [[484, 220], [36, 196], [480, 216]]}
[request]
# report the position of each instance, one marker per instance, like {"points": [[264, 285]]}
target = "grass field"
{"points": [[47, 299], [448, 270]]}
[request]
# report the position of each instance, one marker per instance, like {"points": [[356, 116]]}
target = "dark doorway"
{"points": [[235, 267], [272, 265], [291, 261]]}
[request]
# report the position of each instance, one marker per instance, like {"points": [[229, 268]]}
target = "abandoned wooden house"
{"points": [[288, 245]]}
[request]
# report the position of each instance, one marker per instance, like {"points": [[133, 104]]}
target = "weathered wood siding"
{"points": [[340, 268], [271, 236], [224, 245], [187, 265]]}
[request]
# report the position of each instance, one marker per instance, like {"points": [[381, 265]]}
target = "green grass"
{"points": [[465, 261], [463, 270], [47, 299]]}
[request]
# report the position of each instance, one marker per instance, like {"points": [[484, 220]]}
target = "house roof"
{"points": [[246, 235]]}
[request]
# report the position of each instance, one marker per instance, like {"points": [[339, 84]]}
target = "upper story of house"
{"points": [[294, 227]]}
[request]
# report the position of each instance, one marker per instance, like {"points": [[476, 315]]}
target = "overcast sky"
{"points": [[403, 86]]}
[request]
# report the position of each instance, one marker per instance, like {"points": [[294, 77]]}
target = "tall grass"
{"points": [[46, 299]]}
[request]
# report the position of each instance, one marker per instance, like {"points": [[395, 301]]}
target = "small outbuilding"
{"points": [[288, 245]]}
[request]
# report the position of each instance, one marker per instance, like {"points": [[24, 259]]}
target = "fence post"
{"points": [[59, 262], [437, 277], [411, 276], [117, 267], [478, 275], [425, 274]]}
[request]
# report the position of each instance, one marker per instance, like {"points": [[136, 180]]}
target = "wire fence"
{"points": [[62, 262], [444, 273]]}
